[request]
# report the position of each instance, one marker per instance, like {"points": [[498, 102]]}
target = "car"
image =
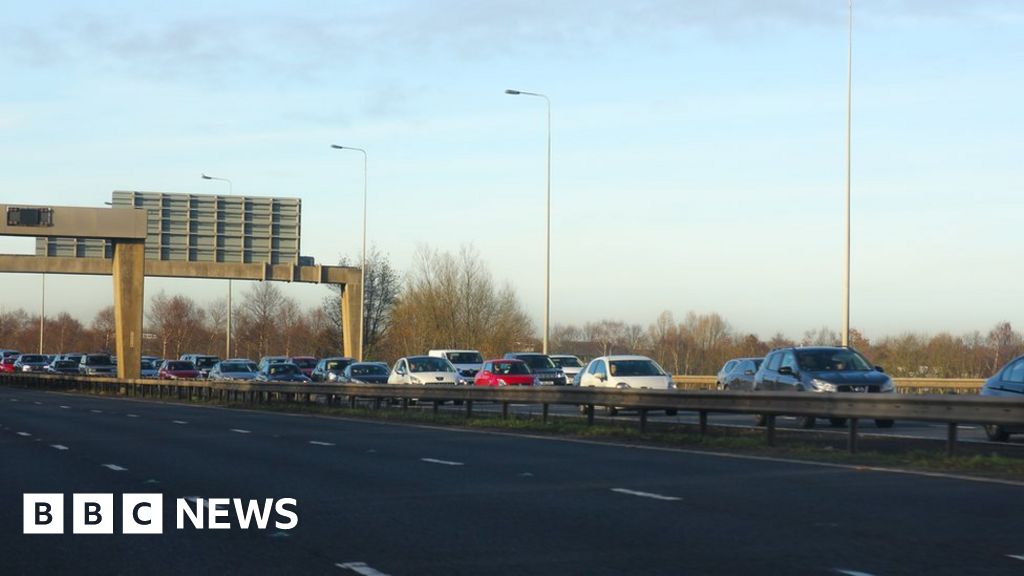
{"points": [[282, 372], [365, 373], [467, 362], [305, 363], [7, 363], [31, 363], [626, 372], [75, 357], [822, 369], [502, 372], [424, 370], [203, 362], [97, 365], [1008, 382], [330, 369], [178, 370], [542, 366], [740, 377], [4, 353], [150, 367], [570, 365], [267, 360], [62, 366], [234, 369]]}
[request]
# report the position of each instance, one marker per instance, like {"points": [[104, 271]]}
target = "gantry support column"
{"points": [[128, 270], [351, 310]]}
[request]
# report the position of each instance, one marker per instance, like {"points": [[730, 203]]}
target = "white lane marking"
{"points": [[179, 421], [319, 443], [959, 427], [58, 446], [360, 568], [23, 434], [115, 467], [852, 572], [240, 431], [133, 415], [444, 462], [96, 411], [37, 403], [1015, 557], [525, 474], [193, 499], [13, 399], [645, 494], [66, 407]]}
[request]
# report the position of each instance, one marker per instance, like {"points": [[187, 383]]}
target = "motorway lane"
{"points": [[417, 500]]}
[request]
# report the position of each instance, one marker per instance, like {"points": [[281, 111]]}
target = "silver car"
{"points": [[1007, 383]]}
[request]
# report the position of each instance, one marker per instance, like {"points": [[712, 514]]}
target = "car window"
{"points": [[537, 361], [597, 367], [430, 364], [465, 357], [832, 360], [566, 362], [1014, 372], [635, 368], [774, 360], [788, 361]]}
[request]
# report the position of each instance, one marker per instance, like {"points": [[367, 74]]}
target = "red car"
{"points": [[178, 369], [305, 364], [505, 372], [7, 364]]}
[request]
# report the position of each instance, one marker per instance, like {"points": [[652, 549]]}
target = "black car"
{"points": [[1007, 383], [281, 372], [31, 363], [738, 374], [366, 372], [331, 369], [61, 366], [542, 366], [822, 369]]}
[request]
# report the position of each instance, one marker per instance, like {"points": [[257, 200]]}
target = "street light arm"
{"points": [[362, 264]]}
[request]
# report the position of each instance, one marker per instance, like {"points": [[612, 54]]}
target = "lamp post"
{"points": [[846, 254], [42, 314], [227, 334], [547, 258], [362, 266]]}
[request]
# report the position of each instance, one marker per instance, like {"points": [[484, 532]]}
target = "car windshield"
{"points": [[429, 364], [98, 360], [827, 360], [33, 358], [465, 358], [538, 361], [181, 365], [206, 361], [567, 362], [635, 368], [336, 365], [504, 368], [283, 369], [63, 364], [148, 364], [369, 370], [236, 367], [304, 362]]}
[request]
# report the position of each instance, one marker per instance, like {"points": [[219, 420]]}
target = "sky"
{"points": [[698, 148]]}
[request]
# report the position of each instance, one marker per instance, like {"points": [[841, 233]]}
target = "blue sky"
{"points": [[698, 147]]}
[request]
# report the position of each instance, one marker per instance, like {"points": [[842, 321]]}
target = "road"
{"points": [[381, 498]]}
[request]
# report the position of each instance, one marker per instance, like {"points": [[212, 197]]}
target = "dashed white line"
{"points": [[443, 462], [66, 407], [133, 415], [853, 572], [115, 467], [23, 434], [240, 431], [96, 411], [645, 494], [58, 446], [360, 568], [13, 399], [179, 421], [38, 403], [206, 502], [1015, 556], [319, 443]]}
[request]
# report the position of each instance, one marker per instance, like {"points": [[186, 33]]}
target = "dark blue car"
{"points": [[1007, 383]]}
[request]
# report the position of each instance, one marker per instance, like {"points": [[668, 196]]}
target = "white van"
{"points": [[467, 362]]}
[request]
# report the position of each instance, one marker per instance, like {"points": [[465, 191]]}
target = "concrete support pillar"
{"points": [[129, 276], [351, 311]]}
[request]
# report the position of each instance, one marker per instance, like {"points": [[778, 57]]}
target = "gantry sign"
{"points": [[126, 229]]}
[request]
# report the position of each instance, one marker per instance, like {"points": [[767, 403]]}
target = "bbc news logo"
{"points": [[144, 513]]}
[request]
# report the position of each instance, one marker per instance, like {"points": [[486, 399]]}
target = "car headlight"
{"points": [[888, 385], [26, 368], [332, 377], [536, 381], [671, 385], [822, 386], [462, 382]]}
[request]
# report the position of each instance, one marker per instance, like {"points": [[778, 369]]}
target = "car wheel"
{"points": [[884, 423], [760, 419], [837, 422], [671, 412], [806, 421], [612, 410], [996, 433]]}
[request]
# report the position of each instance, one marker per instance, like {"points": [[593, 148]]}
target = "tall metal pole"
{"points": [[846, 257], [547, 257], [227, 332], [42, 315], [362, 266]]}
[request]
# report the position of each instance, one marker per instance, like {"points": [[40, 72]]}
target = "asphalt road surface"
{"points": [[394, 499]]}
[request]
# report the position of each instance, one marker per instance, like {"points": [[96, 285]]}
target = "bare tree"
{"points": [[382, 288]]}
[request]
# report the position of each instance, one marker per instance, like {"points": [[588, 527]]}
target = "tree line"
{"points": [[451, 301]]}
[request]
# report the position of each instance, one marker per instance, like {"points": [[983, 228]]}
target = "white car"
{"points": [[467, 362], [626, 372], [569, 364], [424, 370]]}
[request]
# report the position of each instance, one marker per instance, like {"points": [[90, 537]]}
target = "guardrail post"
{"points": [[703, 423], [590, 414], [769, 430], [351, 401], [951, 430], [405, 404], [376, 403], [643, 420], [469, 408], [504, 410], [851, 440], [437, 406], [544, 413]]}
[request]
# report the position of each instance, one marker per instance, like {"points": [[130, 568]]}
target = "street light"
{"points": [[547, 259], [42, 313], [227, 336], [846, 255], [362, 266]]}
